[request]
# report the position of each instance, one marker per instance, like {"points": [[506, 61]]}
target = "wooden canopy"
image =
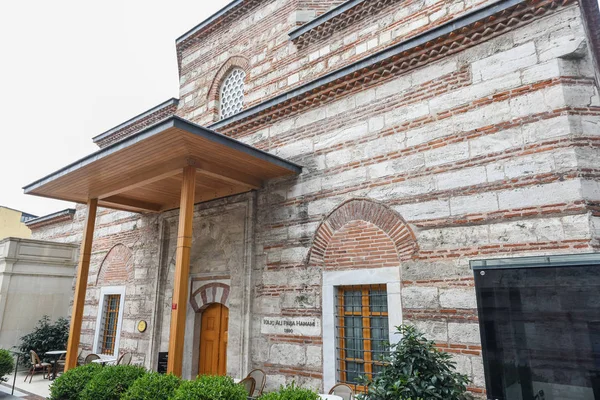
{"points": [[144, 172], [174, 163]]}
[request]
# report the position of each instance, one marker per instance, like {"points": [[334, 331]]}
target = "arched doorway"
{"points": [[214, 326]]}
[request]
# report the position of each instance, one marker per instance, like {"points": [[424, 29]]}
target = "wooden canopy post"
{"points": [[81, 286], [182, 271]]}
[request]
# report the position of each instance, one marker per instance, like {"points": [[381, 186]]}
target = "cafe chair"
{"points": [[60, 363], [37, 366], [125, 359], [261, 379], [342, 390], [249, 384], [90, 357]]}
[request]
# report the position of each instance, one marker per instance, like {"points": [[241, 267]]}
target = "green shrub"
{"points": [[46, 336], [210, 388], [415, 369], [291, 392], [111, 382], [7, 363], [153, 386], [69, 385]]}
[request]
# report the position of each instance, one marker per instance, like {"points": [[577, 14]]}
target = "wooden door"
{"points": [[213, 340]]}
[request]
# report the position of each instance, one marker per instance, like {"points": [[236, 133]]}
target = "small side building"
{"points": [[13, 223], [36, 279]]}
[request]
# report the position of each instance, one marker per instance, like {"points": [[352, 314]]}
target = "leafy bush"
{"points": [[291, 392], [153, 386], [210, 388], [46, 336], [416, 370], [112, 382], [6, 364], [69, 385]]}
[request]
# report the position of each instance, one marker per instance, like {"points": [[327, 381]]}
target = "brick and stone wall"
{"points": [[488, 151], [485, 153], [277, 65]]}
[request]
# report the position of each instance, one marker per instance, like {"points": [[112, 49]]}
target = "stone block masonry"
{"points": [[488, 149], [277, 65]]}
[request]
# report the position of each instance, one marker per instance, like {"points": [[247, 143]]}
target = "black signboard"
{"points": [[163, 358], [540, 326]]}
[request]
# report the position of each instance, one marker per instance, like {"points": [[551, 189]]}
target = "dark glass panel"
{"points": [[541, 332], [353, 301], [354, 337], [378, 300], [354, 372], [380, 336]]}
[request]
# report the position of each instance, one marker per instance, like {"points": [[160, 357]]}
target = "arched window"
{"points": [[232, 93]]}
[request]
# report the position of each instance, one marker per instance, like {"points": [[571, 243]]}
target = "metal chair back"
{"points": [[125, 359], [90, 357], [342, 390], [249, 384], [35, 359], [261, 379]]}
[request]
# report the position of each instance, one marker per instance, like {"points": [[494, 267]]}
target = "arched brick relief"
{"points": [[213, 93], [117, 266], [208, 294], [365, 231]]}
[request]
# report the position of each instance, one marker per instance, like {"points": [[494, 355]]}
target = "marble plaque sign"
{"points": [[301, 326]]}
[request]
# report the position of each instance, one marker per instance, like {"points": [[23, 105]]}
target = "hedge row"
{"points": [[126, 382], [6, 363]]}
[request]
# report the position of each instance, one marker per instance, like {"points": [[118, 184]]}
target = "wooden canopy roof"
{"points": [[143, 173]]}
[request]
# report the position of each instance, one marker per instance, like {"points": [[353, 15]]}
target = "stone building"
{"points": [[430, 133]]}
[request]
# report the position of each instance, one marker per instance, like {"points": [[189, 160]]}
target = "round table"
{"points": [[105, 360], [56, 354], [330, 397]]}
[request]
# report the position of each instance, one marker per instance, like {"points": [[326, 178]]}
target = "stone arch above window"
{"points": [[232, 73], [366, 221], [210, 293], [117, 266]]}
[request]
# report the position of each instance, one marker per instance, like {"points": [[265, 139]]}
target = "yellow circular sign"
{"points": [[142, 325]]}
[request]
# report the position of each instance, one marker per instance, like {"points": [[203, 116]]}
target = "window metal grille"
{"points": [[232, 93], [109, 323], [362, 333]]}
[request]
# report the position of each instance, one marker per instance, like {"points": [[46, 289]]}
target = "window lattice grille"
{"points": [[109, 325], [232, 93], [362, 333]]}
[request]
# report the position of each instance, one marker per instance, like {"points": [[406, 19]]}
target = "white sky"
{"points": [[72, 69]]}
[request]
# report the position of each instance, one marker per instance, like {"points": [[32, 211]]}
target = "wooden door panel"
{"points": [[213, 340], [222, 366]]}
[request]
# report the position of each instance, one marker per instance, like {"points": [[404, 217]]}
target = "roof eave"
{"points": [[138, 117], [49, 217], [172, 122], [334, 12]]}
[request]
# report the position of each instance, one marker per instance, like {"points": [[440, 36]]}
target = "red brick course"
{"points": [[380, 216], [360, 244], [117, 267]]}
